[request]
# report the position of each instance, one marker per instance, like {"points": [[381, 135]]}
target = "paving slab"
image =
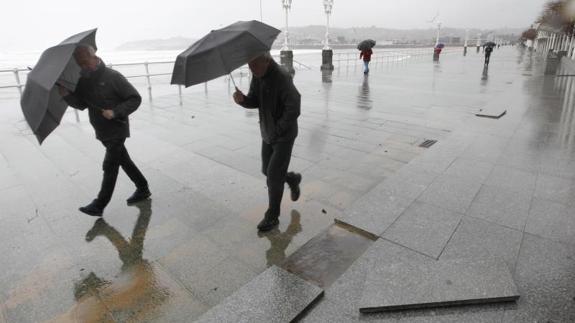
{"points": [[374, 212], [273, 296], [450, 192], [544, 276], [551, 220], [403, 286], [502, 206], [482, 239], [424, 228]]}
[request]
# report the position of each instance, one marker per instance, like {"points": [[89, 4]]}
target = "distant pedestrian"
{"points": [[110, 99], [366, 55], [273, 93], [436, 53], [488, 51]]}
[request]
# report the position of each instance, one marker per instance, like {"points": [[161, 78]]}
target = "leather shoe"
{"points": [[139, 195]]}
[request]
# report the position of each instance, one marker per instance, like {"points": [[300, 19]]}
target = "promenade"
{"points": [[488, 187]]}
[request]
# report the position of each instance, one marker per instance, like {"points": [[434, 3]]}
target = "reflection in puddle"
{"points": [[133, 294], [485, 75], [328, 255], [326, 76], [279, 241], [363, 98]]}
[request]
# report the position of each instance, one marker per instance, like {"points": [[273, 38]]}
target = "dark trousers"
{"points": [[487, 57], [275, 162], [117, 156]]}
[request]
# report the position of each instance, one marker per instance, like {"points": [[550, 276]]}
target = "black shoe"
{"points": [[139, 195], [293, 183], [92, 209], [269, 222]]}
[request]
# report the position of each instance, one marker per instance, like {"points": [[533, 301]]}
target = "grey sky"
{"points": [[124, 20]]}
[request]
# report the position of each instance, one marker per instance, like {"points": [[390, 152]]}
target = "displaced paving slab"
{"points": [[273, 296], [416, 285]]}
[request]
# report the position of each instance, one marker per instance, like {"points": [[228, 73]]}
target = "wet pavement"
{"points": [[195, 243]]}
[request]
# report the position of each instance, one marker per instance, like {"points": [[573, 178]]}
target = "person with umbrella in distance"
{"points": [[366, 51], [273, 93], [437, 51], [110, 99], [488, 50]]}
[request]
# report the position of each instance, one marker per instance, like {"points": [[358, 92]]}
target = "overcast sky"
{"points": [[27, 24]]}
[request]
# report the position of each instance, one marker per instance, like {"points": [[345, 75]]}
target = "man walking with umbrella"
{"points": [[273, 93], [110, 99], [488, 51]]}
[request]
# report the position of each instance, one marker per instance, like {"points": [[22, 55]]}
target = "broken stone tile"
{"points": [[273, 296], [444, 283]]}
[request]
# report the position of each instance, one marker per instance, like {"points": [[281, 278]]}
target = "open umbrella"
{"points": [[490, 44], [41, 103], [366, 44], [440, 45], [222, 51]]}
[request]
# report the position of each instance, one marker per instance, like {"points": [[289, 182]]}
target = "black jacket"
{"points": [[106, 88], [278, 102]]}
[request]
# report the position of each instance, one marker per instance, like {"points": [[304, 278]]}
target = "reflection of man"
{"points": [[273, 93], [276, 254], [139, 284], [129, 252], [110, 99]]}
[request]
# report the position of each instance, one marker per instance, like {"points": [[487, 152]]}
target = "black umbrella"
{"points": [[490, 44], [222, 51], [41, 103], [366, 44]]}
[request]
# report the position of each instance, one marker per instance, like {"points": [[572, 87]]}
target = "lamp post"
{"points": [[327, 53], [287, 6], [286, 55], [478, 42], [466, 40], [438, 33]]}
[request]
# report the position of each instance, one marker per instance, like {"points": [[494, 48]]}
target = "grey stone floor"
{"points": [[493, 188], [195, 243]]}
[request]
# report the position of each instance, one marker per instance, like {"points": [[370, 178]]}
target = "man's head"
{"points": [[86, 57], [259, 65]]}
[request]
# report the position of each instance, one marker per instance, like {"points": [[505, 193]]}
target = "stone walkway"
{"points": [[504, 187]]}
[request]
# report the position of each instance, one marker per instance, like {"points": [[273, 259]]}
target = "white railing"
{"points": [[18, 85], [387, 56], [340, 59]]}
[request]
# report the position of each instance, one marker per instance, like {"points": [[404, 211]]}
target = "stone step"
{"points": [[273, 296]]}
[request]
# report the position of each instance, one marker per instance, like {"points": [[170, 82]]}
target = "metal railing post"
{"points": [[17, 77], [149, 80]]}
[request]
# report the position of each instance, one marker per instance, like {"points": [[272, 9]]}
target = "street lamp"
{"points": [[438, 32], [328, 6], [287, 6], [327, 53]]}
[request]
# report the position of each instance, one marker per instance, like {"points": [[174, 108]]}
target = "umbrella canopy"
{"points": [[440, 45], [490, 44], [41, 103], [366, 44], [222, 51]]}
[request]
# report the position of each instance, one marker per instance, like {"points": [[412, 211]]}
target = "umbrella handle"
{"points": [[233, 81]]}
